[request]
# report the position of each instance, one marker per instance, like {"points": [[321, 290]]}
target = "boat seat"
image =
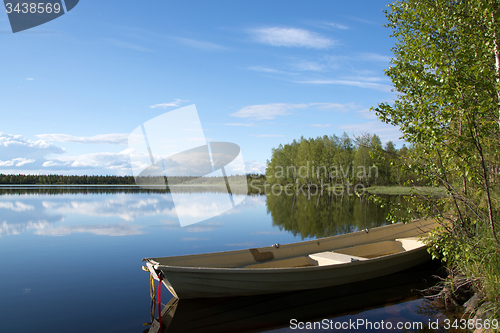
{"points": [[302, 261], [332, 258]]}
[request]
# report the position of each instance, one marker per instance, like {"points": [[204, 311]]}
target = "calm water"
{"points": [[71, 260]]}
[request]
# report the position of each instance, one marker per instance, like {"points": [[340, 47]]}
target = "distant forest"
{"points": [[330, 160], [109, 180]]}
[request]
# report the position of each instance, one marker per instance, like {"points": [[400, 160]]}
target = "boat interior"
{"points": [[291, 256], [345, 255]]}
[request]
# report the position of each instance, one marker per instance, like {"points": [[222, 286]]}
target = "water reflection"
{"points": [[123, 214], [18, 216], [114, 214], [327, 214]]}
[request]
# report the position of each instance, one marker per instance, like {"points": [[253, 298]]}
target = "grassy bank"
{"points": [[405, 190]]}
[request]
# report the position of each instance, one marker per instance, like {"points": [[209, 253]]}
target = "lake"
{"points": [[71, 257]]}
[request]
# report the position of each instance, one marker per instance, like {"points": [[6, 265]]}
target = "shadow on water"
{"points": [[371, 301]]}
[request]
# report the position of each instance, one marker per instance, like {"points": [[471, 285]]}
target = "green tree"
{"points": [[446, 69]]}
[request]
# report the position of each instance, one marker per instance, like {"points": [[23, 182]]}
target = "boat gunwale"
{"points": [[288, 245], [245, 270]]}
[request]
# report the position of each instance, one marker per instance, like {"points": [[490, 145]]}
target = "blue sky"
{"points": [[260, 73]]}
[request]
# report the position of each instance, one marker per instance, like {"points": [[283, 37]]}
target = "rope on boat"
{"points": [[159, 297], [152, 290], [152, 294]]}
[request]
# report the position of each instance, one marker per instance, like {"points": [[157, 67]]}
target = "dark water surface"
{"points": [[71, 259]]}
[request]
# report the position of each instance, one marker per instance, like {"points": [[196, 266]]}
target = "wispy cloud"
{"points": [[320, 125], [177, 102], [362, 20], [240, 124], [267, 135], [192, 239], [361, 84], [374, 57], [273, 110], [200, 229], [246, 244], [385, 131], [336, 25], [367, 114], [364, 78], [305, 65], [101, 230], [202, 45], [29, 79], [268, 70], [291, 37], [127, 45], [267, 111], [110, 139], [334, 106]]}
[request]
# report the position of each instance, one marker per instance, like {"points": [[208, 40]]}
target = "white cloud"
{"points": [[255, 167], [336, 25], [126, 208], [101, 230], [177, 102], [362, 20], [268, 70], [365, 78], [246, 244], [305, 65], [361, 84], [240, 124], [199, 229], [374, 57], [367, 114], [113, 139], [385, 131], [193, 239], [273, 110], [334, 106], [267, 135], [114, 161], [267, 111], [17, 151], [291, 37], [320, 125], [49, 164], [207, 46], [20, 161], [29, 78], [16, 206], [18, 228]]}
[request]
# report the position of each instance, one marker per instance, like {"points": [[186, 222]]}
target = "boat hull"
{"points": [[188, 283]]}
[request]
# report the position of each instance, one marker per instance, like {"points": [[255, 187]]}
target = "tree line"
{"points": [[331, 160], [118, 180]]}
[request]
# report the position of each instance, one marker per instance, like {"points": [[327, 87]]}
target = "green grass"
{"points": [[406, 190]]}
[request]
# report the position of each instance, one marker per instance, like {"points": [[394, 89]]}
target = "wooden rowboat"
{"points": [[266, 312], [305, 265]]}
